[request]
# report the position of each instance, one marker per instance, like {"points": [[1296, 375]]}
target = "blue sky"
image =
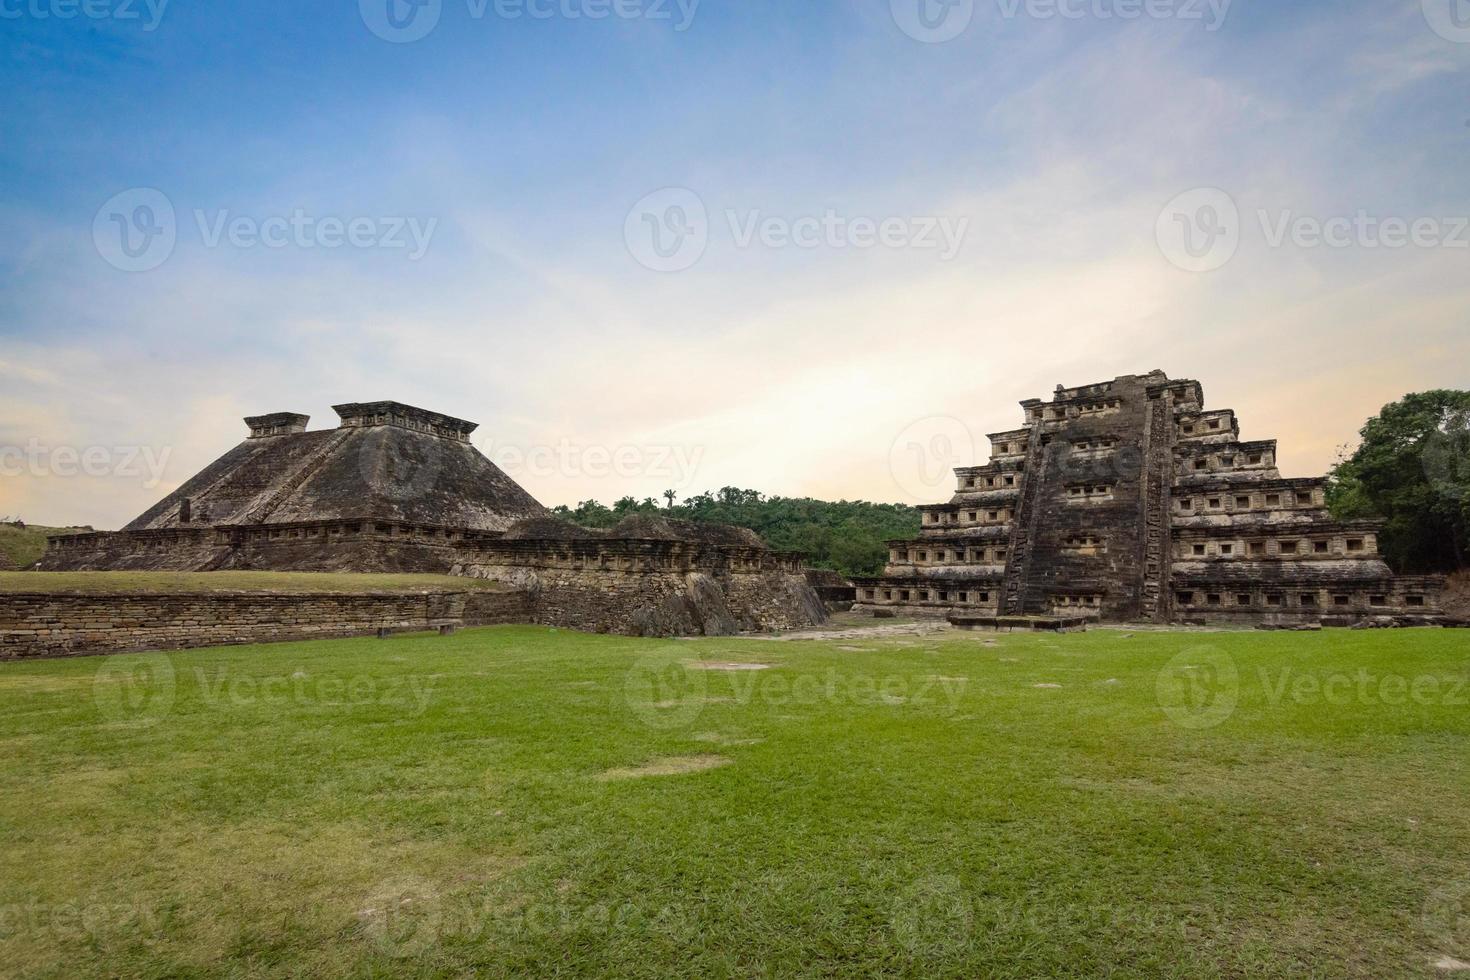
{"points": [[522, 144]]}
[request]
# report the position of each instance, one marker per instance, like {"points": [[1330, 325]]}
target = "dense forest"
{"points": [[1412, 470], [849, 536]]}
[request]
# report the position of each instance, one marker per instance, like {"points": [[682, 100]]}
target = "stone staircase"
{"points": [[263, 508], [1023, 529], [1157, 481]]}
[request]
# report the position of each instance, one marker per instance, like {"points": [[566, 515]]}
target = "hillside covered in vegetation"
{"points": [[847, 535], [21, 545]]}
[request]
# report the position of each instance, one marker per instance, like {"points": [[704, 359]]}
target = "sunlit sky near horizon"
{"points": [[718, 243]]}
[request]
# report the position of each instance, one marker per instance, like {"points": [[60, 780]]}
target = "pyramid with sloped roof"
{"points": [[385, 461]]}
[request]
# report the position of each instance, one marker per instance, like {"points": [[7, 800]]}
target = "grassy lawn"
{"points": [[194, 582], [525, 802], [20, 547]]}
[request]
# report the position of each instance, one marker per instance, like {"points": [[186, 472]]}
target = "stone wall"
{"points": [[651, 587], [1129, 500], [49, 625]]}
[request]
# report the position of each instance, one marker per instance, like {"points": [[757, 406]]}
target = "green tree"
{"points": [[848, 536], [1412, 470]]}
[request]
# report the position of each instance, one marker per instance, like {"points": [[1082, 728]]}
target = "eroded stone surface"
{"points": [[1127, 499]]}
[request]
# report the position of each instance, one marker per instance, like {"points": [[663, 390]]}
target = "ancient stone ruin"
{"points": [[399, 489], [1128, 500]]}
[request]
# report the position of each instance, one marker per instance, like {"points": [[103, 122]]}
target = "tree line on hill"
{"points": [[849, 536]]}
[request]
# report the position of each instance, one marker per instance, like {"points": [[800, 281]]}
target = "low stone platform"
{"points": [[43, 624], [1022, 624]]}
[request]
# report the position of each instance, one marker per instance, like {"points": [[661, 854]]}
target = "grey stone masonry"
{"points": [[1128, 500]]}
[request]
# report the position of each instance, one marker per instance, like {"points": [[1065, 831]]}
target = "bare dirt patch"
{"points": [[718, 738], [885, 631], [727, 665], [673, 765]]}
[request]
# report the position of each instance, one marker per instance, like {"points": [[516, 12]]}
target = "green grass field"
{"points": [[527, 802], [197, 582]]}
